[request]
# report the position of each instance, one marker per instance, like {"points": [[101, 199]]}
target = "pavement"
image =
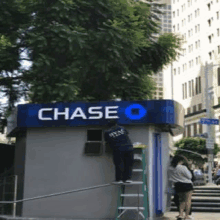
{"points": [[195, 215]]}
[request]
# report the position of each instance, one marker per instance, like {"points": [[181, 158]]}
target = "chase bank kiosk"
{"points": [[60, 147]]}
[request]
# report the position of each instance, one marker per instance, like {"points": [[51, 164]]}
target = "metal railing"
{"points": [[14, 201]]}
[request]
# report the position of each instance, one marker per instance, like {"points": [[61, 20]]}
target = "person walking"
{"points": [[117, 138], [181, 177], [176, 196], [217, 175]]}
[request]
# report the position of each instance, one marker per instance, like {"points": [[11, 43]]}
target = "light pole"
{"points": [[209, 114]]}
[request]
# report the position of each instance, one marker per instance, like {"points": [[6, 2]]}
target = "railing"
{"points": [[14, 202], [8, 191]]}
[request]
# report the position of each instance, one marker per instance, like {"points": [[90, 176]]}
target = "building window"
{"points": [[174, 71], [177, 12], [186, 90], [183, 91], [93, 146], [200, 128], [218, 49], [209, 6], [195, 128], [197, 86], [196, 60], [210, 38], [193, 87], [194, 108], [198, 27], [188, 110], [188, 130], [195, 29], [190, 89], [209, 22], [218, 32], [217, 14], [178, 70], [218, 76], [200, 85], [200, 107], [210, 55], [218, 100]]}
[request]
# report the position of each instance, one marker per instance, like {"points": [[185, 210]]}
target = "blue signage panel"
{"points": [[96, 113], [209, 121]]}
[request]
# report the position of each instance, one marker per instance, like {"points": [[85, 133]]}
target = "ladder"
{"points": [[143, 211]]}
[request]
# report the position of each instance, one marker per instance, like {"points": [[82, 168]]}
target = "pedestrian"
{"points": [[176, 196], [180, 175], [117, 138], [217, 174]]}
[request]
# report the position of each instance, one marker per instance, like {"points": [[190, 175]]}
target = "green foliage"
{"points": [[82, 50], [197, 145]]}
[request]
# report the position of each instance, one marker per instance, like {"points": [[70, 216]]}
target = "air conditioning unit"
{"points": [[93, 148]]}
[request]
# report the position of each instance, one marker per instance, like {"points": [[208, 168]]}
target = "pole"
{"points": [[208, 115], [15, 195]]}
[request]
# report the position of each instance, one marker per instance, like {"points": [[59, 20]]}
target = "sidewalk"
{"points": [[195, 215]]}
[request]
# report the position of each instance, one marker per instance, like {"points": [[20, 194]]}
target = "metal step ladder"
{"points": [[142, 211]]}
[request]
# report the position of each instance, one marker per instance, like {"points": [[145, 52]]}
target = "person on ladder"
{"points": [[117, 138]]}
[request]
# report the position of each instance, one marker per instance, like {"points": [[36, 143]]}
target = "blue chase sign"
{"points": [[98, 113]]}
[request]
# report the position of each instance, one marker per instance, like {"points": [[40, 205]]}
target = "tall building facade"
{"points": [[198, 22], [162, 91]]}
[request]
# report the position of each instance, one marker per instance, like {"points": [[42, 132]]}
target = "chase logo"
{"points": [[135, 111]]}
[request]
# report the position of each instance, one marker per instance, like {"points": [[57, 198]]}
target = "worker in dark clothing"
{"points": [[117, 138]]}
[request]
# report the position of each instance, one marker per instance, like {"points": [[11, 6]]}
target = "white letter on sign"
{"points": [[99, 113], [40, 114], [109, 110], [78, 113], [56, 113]]}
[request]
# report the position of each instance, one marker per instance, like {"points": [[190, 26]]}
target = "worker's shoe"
{"points": [[118, 182], [128, 181]]}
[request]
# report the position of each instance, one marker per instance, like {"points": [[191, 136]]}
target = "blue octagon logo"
{"points": [[135, 112]]}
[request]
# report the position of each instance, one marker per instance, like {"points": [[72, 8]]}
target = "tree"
{"points": [[197, 145], [87, 50], [13, 19]]}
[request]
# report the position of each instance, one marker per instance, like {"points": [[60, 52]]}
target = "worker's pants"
{"points": [[123, 161]]}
